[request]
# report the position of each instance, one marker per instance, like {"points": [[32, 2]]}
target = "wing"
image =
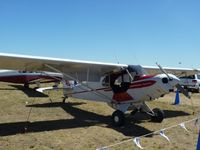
{"points": [[176, 71], [80, 70]]}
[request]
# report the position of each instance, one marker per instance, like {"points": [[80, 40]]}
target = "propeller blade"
{"points": [[182, 90], [160, 67]]}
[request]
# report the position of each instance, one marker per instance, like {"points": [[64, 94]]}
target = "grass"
{"points": [[84, 124]]}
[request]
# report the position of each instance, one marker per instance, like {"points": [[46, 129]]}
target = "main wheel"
{"points": [[118, 118], [158, 115]]}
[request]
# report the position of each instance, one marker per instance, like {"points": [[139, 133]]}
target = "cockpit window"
{"points": [[124, 76], [137, 70], [106, 81]]}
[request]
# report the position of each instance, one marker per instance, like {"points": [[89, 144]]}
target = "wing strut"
{"points": [[53, 77], [56, 70]]}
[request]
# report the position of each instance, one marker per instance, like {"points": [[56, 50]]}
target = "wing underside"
{"points": [[179, 72], [80, 70]]}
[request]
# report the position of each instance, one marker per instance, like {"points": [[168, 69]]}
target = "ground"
{"points": [[29, 120]]}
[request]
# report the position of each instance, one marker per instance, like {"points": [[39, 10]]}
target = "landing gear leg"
{"points": [[118, 118], [64, 99], [157, 115]]}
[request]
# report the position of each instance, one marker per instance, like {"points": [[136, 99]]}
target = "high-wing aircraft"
{"points": [[29, 77], [123, 87]]}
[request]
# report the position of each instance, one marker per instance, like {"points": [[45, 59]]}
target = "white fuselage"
{"points": [[142, 89]]}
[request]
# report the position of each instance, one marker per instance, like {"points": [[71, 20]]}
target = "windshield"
{"points": [[137, 70]]}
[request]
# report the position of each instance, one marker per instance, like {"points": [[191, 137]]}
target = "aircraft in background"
{"points": [[123, 87], [28, 77]]}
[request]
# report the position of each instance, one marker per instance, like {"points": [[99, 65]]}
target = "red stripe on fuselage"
{"points": [[26, 78], [142, 77], [142, 84]]}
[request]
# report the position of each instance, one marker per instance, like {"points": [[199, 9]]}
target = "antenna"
{"points": [[116, 56]]}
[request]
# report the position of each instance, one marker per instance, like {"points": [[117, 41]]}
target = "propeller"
{"points": [[178, 86], [185, 92], [163, 71]]}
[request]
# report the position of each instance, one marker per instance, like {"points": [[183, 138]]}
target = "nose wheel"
{"points": [[118, 118]]}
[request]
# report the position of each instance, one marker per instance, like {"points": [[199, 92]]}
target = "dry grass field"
{"points": [[86, 125]]}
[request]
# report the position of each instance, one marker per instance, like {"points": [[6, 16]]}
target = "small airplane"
{"points": [[28, 77], [123, 87]]}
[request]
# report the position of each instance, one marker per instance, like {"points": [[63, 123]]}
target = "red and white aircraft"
{"points": [[123, 87], [28, 77]]}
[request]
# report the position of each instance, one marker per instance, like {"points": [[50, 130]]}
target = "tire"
{"points": [[118, 118], [198, 90], [158, 115]]}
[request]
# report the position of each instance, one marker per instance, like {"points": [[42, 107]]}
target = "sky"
{"points": [[118, 31]]}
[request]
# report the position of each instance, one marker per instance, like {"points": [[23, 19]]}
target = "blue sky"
{"points": [[124, 31]]}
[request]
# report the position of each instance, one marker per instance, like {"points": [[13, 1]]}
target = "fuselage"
{"points": [[143, 88]]}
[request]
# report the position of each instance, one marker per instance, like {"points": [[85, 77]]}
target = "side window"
{"points": [[198, 76], [191, 77], [106, 81]]}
